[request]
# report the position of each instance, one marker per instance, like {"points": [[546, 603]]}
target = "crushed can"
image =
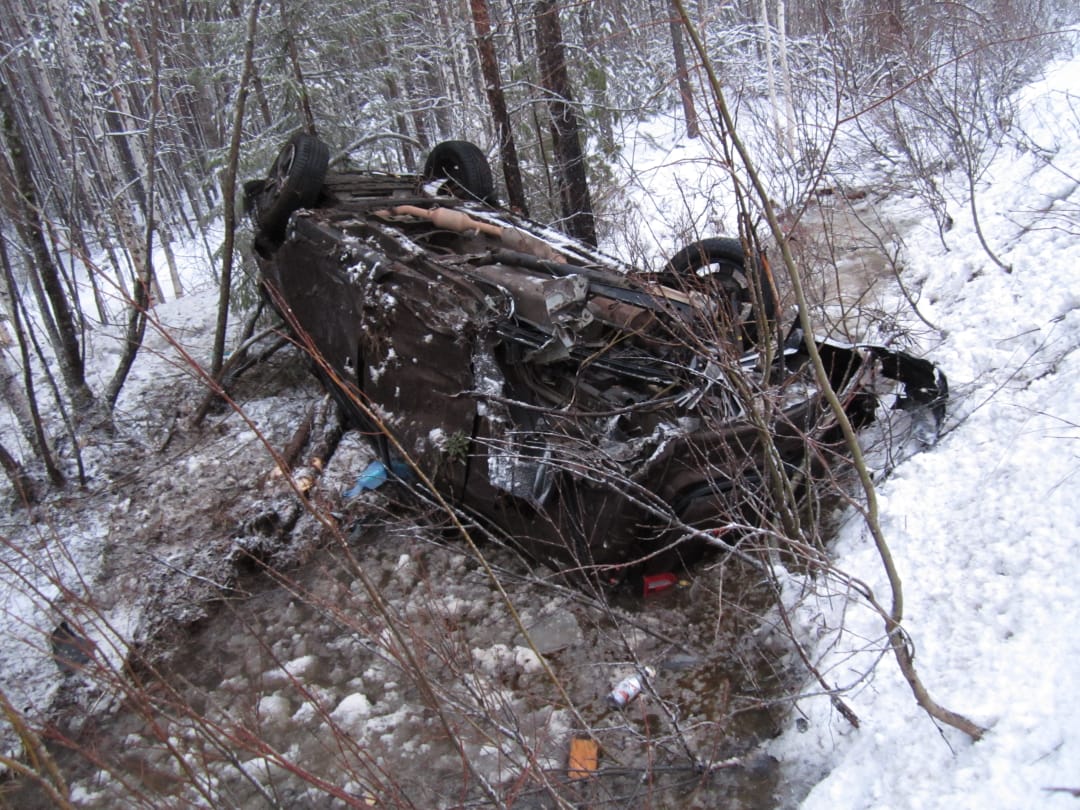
{"points": [[629, 688]]}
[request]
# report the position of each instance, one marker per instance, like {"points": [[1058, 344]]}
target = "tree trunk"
{"points": [[32, 231], [170, 259], [774, 104], [421, 109], [474, 89], [565, 129], [515, 189], [23, 402], [682, 75], [453, 57], [20, 480], [19, 30], [11, 392], [229, 191], [597, 48], [828, 16], [298, 73], [785, 78], [890, 23], [144, 275], [122, 118], [440, 103], [393, 93]]}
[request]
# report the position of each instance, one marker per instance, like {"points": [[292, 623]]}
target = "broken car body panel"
{"points": [[581, 409]]}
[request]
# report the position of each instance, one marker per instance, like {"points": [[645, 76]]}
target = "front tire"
{"points": [[465, 166]]}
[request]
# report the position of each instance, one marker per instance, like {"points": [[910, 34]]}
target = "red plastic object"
{"points": [[656, 583]]}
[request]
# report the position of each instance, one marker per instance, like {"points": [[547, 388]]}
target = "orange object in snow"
{"points": [[584, 758]]}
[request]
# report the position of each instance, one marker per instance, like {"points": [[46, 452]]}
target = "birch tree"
{"points": [[770, 71], [785, 77]]}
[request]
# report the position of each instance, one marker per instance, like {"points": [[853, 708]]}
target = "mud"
{"points": [[849, 246], [383, 665], [304, 683]]}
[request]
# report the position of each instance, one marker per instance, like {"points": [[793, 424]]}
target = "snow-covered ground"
{"points": [[983, 526]]}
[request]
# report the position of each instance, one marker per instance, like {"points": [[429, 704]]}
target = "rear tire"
{"points": [[465, 166], [718, 267]]}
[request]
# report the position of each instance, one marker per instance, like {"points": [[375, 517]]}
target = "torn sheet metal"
{"points": [[579, 408]]}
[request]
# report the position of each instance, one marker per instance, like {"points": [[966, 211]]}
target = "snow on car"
{"points": [[589, 413]]}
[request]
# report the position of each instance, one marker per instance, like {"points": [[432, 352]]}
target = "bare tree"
{"points": [[31, 227], [229, 191], [682, 75], [297, 71], [485, 44], [774, 103], [565, 128], [598, 49], [144, 275], [785, 77], [23, 401]]}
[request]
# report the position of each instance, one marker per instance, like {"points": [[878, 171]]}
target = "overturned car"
{"points": [[591, 414]]}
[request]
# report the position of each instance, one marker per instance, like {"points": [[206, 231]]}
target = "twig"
{"points": [[897, 637]]}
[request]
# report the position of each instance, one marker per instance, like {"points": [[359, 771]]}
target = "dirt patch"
{"points": [[390, 668], [849, 245]]}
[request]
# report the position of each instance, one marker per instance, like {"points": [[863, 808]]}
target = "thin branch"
{"points": [[897, 637]]}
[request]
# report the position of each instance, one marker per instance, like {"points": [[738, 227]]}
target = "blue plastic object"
{"points": [[376, 474], [373, 477]]}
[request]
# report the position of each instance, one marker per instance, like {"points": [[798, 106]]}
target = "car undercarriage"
{"points": [[594, 415]]}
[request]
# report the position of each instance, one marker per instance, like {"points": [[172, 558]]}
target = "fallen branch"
{"points": [[237, 363], [291, 451]]}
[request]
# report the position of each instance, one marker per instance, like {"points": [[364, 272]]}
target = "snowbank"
{"points": [[983, 526]]}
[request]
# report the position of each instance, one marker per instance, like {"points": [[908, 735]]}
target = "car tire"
{"points": [[721, 260], [295, 181], [465, 166]]}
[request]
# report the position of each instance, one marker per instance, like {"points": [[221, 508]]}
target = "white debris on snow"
{"points": [[500, 658], [352, 712], [274, 709]]}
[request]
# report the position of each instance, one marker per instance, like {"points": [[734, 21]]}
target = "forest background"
{"points": [[129, 128], [126, 127]]}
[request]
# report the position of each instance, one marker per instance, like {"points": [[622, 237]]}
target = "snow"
{"points": [[352, 712], [501, 657], [983, 526], [673, 190], [274, 709]]}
